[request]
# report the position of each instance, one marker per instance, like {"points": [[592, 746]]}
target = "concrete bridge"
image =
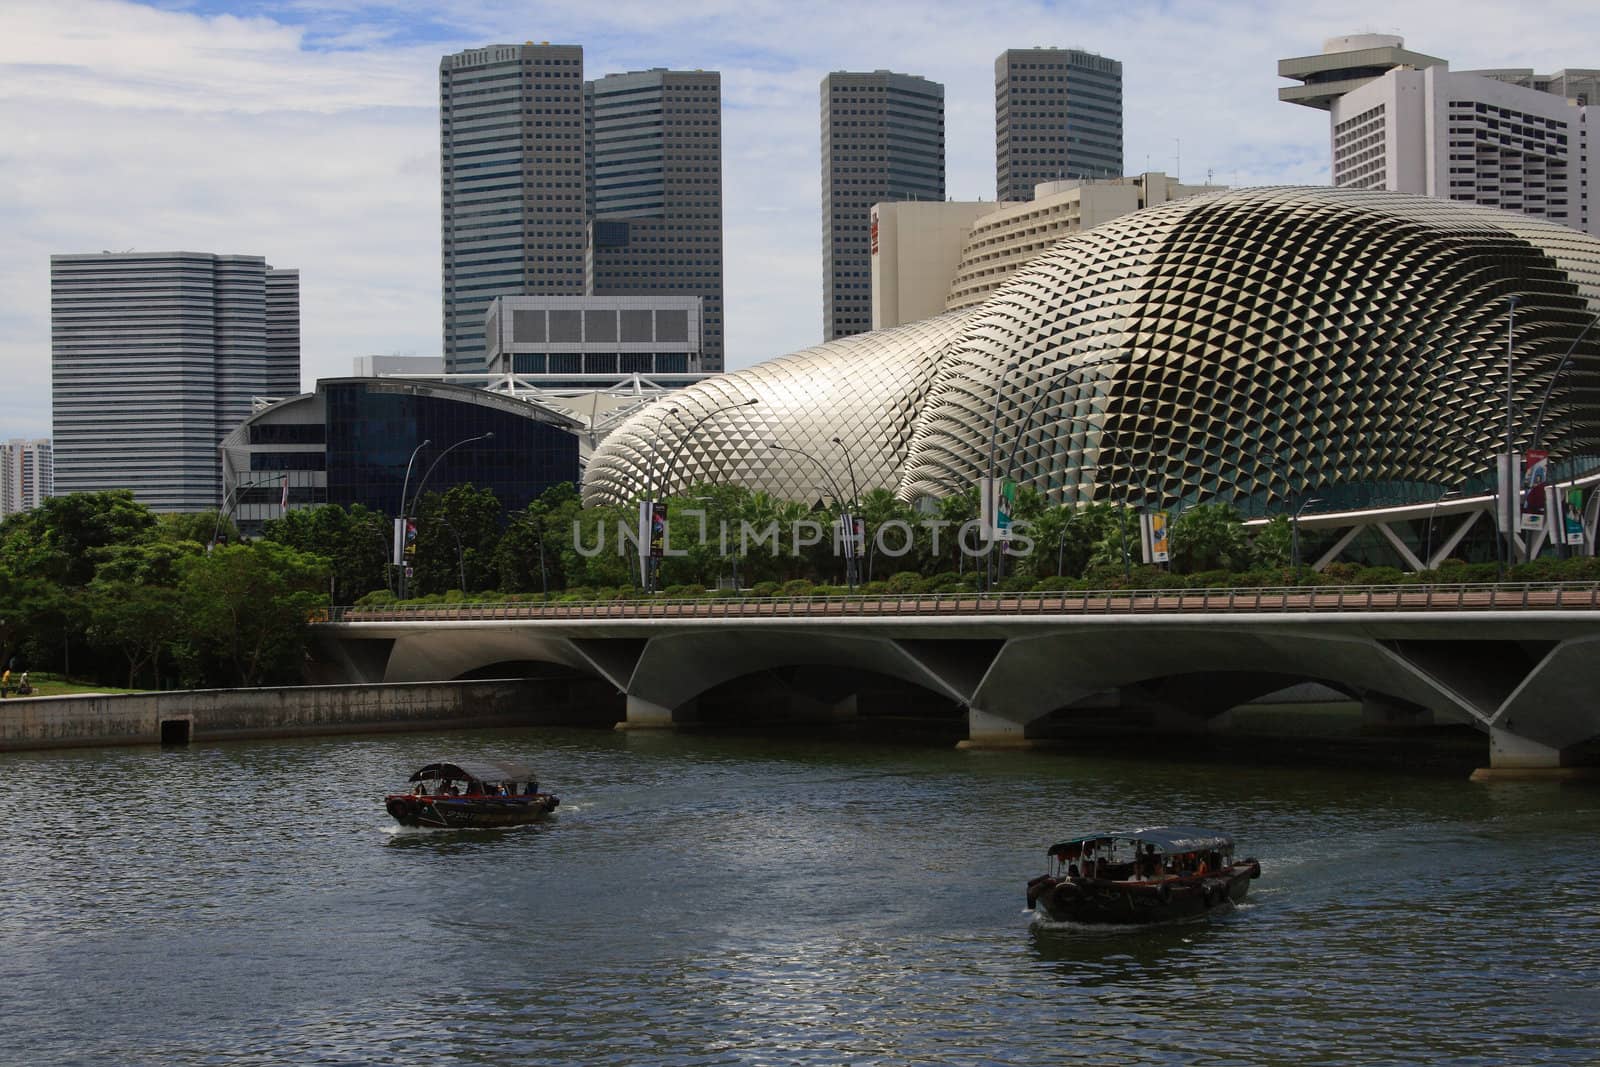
{"points": [[1521, 663]]}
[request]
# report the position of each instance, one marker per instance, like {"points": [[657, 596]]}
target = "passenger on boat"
{"points": [[1072, 870], [1150, 864]]}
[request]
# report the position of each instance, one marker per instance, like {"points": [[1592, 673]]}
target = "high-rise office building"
{"points": [[27, 475], [1057, 116], [184, 341], [283, 333], [882, 140], [655, 191], [1404, 122], [511, 177]]}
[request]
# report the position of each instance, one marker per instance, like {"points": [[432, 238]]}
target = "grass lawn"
{"points": [[51, 685]]}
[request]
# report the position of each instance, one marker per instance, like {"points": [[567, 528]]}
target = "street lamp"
{"points": [[1538, 421], [1508, 478], [423, 484], [672, 463], [838, 500], [1427, 551], [647, 568], [227, 509], [1294, 533]]}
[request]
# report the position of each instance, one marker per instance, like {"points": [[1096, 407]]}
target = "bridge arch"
{"points": [[1036, 675], [675, 669]]}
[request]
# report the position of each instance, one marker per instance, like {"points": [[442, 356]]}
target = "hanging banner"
{"points": [[1005, 508], [1572, 517], [658, 529], [410, 539], [1159, 552], [1535, 487], [399, 542]]}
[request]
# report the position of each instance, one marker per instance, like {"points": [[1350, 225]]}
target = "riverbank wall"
{"points": [[187, 716]]}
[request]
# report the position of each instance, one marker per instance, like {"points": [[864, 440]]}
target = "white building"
{"points": [[27, 475], [931, 258], [1404, 122]]}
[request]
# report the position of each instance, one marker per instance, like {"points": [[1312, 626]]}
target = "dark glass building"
{"points": [[351, 441]]}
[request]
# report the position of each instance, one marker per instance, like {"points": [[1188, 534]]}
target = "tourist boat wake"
{"points": [[458, 794], [1157, 874]]}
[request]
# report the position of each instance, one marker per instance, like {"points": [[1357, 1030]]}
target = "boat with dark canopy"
{"points": [[1157, 874], [458, 794]]}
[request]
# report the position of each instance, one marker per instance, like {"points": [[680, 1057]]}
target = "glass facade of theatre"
{"points": [[373, 429]]}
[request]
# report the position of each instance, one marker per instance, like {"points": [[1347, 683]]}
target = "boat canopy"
{"points": [[476, 770], [1167, 839]]}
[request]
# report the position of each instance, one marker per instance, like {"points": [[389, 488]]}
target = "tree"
{"points": [[141, 620], [1273, 543], [1209, 537], [247, 610], [457, 533], [356, 542]]}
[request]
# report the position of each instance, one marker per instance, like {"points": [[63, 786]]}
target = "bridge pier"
{"points": [[991, 731], [644, 715]]}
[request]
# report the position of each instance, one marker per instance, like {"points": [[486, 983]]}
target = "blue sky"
{"points": [[306, 131]]}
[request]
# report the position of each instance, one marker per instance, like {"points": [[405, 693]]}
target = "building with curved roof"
{"points": [[1250, 347]]}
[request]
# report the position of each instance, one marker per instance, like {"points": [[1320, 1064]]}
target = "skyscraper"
{"points": [[27, 475], [183, 341], [511, 176], [1057, 115], [655, 190], [1405, 122], [882, 140]]}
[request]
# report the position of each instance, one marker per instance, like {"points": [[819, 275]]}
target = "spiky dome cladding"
{"points": [[1247, 346]]}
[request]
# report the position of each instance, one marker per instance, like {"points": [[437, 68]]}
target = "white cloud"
{"points": [[307, 132]]}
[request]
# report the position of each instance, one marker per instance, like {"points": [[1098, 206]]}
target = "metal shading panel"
{"points": [[866, 390], [1261, 344]]}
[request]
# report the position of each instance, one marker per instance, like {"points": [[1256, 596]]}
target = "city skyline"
{"points": [[312, 132]]}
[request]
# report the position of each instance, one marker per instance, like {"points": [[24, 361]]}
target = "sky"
{"points": [[306, 131]]}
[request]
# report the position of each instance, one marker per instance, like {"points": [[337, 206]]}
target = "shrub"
{"points": [[1380, 576], [687, 590], [795, 587], [764, 589], [904, 582]]}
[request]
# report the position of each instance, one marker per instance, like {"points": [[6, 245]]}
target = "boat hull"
{"points": [[1089, 900], [458, 813]]}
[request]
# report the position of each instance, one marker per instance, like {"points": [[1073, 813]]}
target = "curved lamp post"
{"points": [[838, 500], [672, 462], [422, 484], [1538, 421], [227, 509], [1427, 550], [1294, 532]]}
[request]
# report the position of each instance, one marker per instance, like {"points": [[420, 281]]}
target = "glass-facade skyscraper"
{"points": [[1057, 115], [882, 140], [655, 191], [511, 177]]}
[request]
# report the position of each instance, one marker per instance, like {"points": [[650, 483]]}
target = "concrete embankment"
{"points": [[296, 711]]}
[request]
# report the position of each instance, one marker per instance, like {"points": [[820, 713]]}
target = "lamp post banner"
{"points": [[658, 528], [1153, 527], [410, 538], [1005, 508], [399, 541], [1572, 516], [1535, 487], [986, 507]]}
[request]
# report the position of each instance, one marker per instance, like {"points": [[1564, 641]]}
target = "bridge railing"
{"points": [[1524, 596]]}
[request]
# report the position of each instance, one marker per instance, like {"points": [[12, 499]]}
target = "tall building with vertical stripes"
{"points": [[655, 191], [155, 356], [882, 140], [27, 474], [512, 183], [1057, 116]]}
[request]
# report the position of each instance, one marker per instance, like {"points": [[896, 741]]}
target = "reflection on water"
{"points": [[702, 899]]}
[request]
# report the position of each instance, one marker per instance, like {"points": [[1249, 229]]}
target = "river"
{"points": [[777, 899]]}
